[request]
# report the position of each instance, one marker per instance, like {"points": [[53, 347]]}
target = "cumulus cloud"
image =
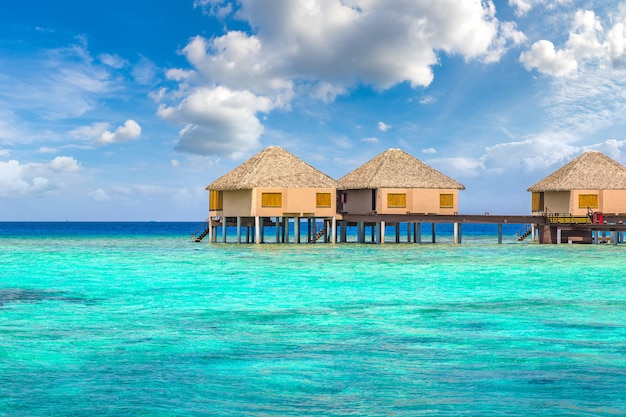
{"points": [[18, 179], [370, 140], [99, 132], [128, 131], [547, 60], [219, 121], [320, 49], [429, 150], [586, 44]]}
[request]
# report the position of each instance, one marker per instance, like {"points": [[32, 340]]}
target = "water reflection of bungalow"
{"points": [[272, 187], [395, 182], [589, 189]]}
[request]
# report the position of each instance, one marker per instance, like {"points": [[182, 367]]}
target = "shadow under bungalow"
{"points": [[277, 197]]}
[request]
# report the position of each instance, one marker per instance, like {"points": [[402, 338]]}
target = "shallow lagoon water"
{"points": [[136, 320]]}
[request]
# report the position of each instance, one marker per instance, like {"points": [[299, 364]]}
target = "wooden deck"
{"points": [[444, 218]]}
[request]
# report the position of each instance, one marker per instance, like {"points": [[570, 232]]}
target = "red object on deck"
{"points": [[598, 217]]}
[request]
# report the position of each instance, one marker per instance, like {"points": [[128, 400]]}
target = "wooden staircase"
{"points": [[524, 235], [201, 231]]}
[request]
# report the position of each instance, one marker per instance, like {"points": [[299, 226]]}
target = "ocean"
{"points": [[135, 319]]}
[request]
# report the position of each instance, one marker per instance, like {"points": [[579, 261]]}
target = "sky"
{"points": [[127, 110]]}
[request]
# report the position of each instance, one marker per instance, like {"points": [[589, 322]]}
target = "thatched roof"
{"points": [[395, 168], [273, 167], [590, 171]]}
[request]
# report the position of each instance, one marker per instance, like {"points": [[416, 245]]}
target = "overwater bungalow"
{"points": [[397, 183], [591, 189], [593, 182], [270, 188]]}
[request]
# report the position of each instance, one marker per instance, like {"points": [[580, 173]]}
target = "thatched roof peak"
{"points": [[395, 168], [273, 167], [592, 170]]}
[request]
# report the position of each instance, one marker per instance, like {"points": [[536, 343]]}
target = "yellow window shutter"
{"points": [[396, 200], [216, 200], [446, 200], [322, 200], [271, 199], [588, 200]]}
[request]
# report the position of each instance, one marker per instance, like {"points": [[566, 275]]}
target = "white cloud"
{"points": [[93, 131], [64, 163], [174, 163], [130, 130], [429, 150], [145, 71], [428, 100], [523, 7], [616, 44], [320, 49], [4, 152], [99, 132], [383, 127], [586, 44], [18, 179], [370, 140], [55, 84], [547, 60], [99, 195], [458, 166], [219, 121], [114, 61]]}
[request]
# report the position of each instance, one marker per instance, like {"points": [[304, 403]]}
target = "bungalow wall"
{"points": [[358, 201], [237, 203], [435, 201], [319, 202], [401, 201], [557, 201], [614, 201]]}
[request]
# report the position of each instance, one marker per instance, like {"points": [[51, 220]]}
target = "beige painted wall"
{"points": [[614, 201], [557, 201], [417, 201], [427, 201], [295, 202], [573, 202], [237, 203]]}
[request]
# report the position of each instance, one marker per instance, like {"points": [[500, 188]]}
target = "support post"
{"points": [[238, 229], [296, 229], [418, 232], [408, 232], [277, 224], [333, 238], [344, 232], [499, 233], [257, 229], [434, 230], [558, 235], [223, 229], [381, 231], [360, 232], [456, 234], [285, 229], [210, 229]]}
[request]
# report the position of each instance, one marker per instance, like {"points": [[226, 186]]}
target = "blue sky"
{"points": [[127, 110]]}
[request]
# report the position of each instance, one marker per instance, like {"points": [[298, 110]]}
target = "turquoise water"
{"points": [[136, 320]]}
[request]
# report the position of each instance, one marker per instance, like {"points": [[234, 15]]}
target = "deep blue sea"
{"points": [[135, 319]]}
